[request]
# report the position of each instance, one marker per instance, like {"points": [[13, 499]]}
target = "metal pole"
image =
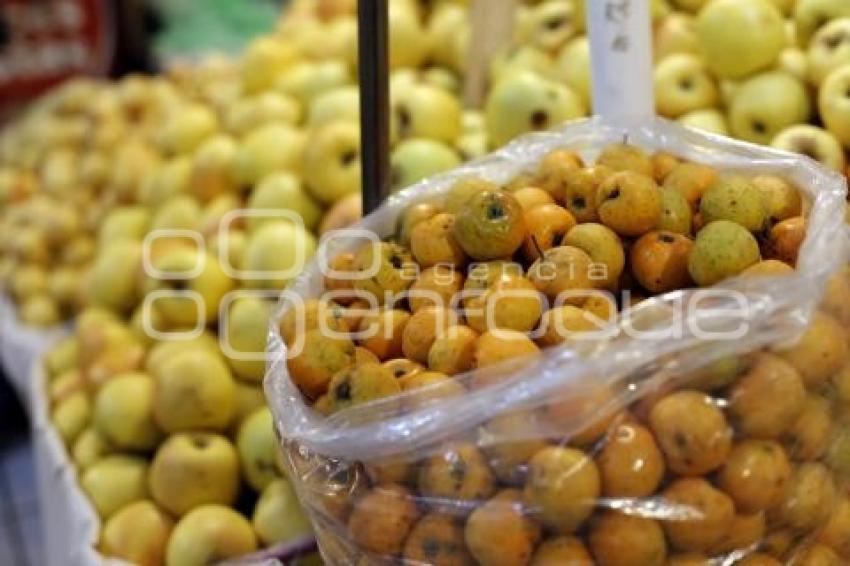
{"points": [[373, 68]]}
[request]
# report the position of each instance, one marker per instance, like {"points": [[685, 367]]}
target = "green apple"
{"points": [[710, 120], [123, 412], [89, 447], [114, 482], [683, 84], [278, 516], [828, 50], [332, 161], [211, 168], [276, 253], [180, 212], [574, 68], [125, 222], [341, 103], [186, 128], [247, 114], [195, 391], [409, 43], [113, 279], [193, 469], [305, 81], [422, 110], [270, 148], [740, 37], [282, 191], [71, 415], [793, 61], [258, 448], [137, 533], [766, 104], [813, 142], [171, 179], [834, 104], [210, 534], [265, 59], [417, 158], [210, 284], [525, 102], [521, 58], [246, 333], [549, 25], [810, 15]]}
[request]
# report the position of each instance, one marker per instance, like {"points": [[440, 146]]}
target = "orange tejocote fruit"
{"points": [[490, 225]]}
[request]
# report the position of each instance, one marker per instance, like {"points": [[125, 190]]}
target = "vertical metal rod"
{"points": [[373, 68]]}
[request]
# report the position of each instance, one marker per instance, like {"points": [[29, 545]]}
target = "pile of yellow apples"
{"points": [[122, 200]]}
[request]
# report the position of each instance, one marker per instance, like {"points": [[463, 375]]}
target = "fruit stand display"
{"points": [[123, 210]]}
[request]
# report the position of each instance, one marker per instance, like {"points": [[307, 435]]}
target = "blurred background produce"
{"points": [[94, 167]]}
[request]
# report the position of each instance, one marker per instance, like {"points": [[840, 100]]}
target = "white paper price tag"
{"points": [[621, 57]]}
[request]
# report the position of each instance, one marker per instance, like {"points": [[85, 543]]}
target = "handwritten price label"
{"points": [[621, 55]]}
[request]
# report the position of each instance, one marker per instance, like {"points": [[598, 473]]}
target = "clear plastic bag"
{"points": [[536, 462]]}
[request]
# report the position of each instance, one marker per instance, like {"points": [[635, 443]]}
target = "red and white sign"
{"points": [[43, 42]]}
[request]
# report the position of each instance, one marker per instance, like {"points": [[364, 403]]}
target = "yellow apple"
{"points": [[194, 469], [195, 391], [125, 222], [39, 310], [767, 103], [675, 33], [265, 59], [249, 398], [834, 104], [209, 534], [709, 120], [186, 128], [332, 161], [426, 111], [275, 147], [137, 533], [115, 481], [828, 50], [214, 212], [521, 58], [235, 241], [341, 103], [247, 114], [813, 142], [793, 61], [525, 102], [209, 286], [683, 84], [113, 281], [89, 447], [305, 81], [810, 15], [409, 43], [446, 22], [278, 516], [61, 357], [729, 51], [211, 168], [417, 158], [276, 253], [71, 416], [161, 352], [284, 192], [574, 68], [123, 412], [162, 183], [246, 333], [258, 448], [693, 6], [549, 24]]}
